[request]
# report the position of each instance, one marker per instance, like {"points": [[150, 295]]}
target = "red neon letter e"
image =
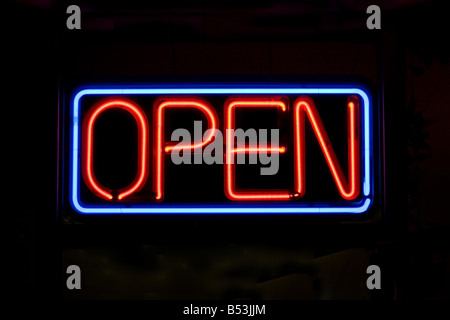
{"points": [[230, 191]]}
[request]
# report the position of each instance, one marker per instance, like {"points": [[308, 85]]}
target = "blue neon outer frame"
{"points": [[359, 207]]}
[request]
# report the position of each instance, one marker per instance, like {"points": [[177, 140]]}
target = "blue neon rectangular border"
{"points": [[296, 208]]}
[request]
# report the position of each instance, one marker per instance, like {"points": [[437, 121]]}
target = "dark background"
{"points": [[407, 60]]}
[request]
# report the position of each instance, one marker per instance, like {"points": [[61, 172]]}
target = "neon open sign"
{"points": [[292, 149]]}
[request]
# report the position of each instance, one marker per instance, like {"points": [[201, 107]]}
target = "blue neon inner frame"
{"points": [[347, 207]]}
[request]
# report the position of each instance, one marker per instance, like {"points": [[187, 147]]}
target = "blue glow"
{"points": [[298, 208]]}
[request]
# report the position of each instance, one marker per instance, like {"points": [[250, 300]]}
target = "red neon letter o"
{"points": [[88, 126]]}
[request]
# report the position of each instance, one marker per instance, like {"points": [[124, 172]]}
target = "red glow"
{"points": [[230, 191], [257, 150], [347, 190], [160, 105], [88, 128]]}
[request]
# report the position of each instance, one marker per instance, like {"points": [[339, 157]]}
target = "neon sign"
{"points": [[333, 125]]}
